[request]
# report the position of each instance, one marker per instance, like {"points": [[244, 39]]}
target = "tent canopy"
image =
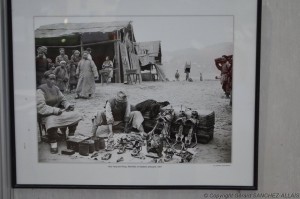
{"points": [[105, 39], [63, 29]]}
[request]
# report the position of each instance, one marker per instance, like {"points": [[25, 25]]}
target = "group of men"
{"points": [[77, 73], [177, 76], [187, 70], [53, 79], [117, 110]]}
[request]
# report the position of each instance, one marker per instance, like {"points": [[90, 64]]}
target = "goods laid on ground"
{"points": [[188, 125], [73, 143], [131, 147], [169, 138]]}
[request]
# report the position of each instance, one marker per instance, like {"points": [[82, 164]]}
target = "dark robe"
{"points": [[41, 65]]}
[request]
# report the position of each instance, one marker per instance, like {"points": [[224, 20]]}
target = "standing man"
{"points": [[201, 78], [62, 76], [187, 70], [108, 65], [89, 51], [61, 57], [223, 64], [43, 49], [41, 64], [117, 110], [87, 72], [177, 75], [75, 59]]}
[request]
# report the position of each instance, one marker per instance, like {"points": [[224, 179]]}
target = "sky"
{"points": [[174, 32]]}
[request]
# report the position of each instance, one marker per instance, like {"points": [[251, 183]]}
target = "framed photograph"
{"points": [[134, 94]]}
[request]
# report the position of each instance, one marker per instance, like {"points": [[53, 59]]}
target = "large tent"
{"points": [[150, 58], [113, 39]]}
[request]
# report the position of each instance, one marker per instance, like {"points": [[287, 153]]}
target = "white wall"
{"points": [[279, 146]]}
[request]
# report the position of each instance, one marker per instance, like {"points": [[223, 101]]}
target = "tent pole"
{"points": [[117, 61], [81, 44]]}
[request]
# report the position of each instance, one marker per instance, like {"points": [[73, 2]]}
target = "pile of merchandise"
{"points": [[172, 133], [184, 126], [205, 127]]}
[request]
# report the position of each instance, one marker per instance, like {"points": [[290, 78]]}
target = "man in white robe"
{"points": [[87, 72]]}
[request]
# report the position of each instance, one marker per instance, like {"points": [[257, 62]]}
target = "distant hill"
{"points": [[202, 60]]}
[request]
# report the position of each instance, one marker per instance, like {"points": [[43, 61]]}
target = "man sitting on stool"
{"points": [[108, 66], [55, 110]]}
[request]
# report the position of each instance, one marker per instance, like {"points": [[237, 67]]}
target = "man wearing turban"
{"points": [[117, 110]]}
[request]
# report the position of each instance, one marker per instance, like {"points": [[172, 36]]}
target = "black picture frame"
{"points": [[10, 82]]}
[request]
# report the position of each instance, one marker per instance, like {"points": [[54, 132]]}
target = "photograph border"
{"points": [[12, 124]]}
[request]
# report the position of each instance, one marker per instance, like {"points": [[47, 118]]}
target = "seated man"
{"points": [[108, 66], [55, 110], [117, 110]]}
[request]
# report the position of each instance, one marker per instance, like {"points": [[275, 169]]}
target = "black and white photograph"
{"points": [[134, 89], [135, 94]]}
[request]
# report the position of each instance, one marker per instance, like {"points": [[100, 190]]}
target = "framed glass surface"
{"points": [[188, 118]]}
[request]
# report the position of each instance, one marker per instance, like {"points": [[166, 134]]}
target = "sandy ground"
{"points": [[206, 95]]}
